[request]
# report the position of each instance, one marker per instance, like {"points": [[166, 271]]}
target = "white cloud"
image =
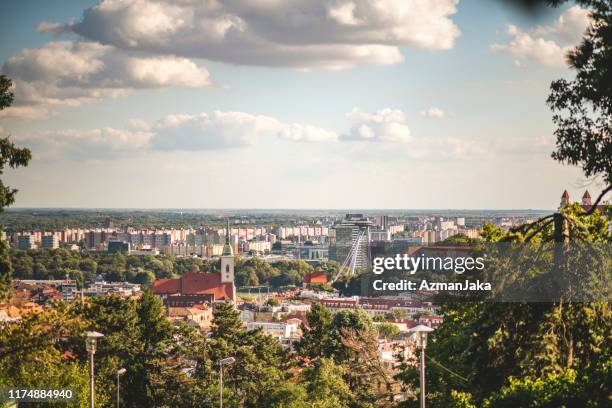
{"points": [[224, 130], [569, 27], [215, 131], [344, 14], [25, 112], [218, 130], [302, 34], [73, 72], [434, 112], [547, 45], [141, 124], [229, 129], [83, 145], [306, 133], [385, 126]]}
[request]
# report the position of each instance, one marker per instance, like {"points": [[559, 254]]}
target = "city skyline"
{"points": [[240, 107]]}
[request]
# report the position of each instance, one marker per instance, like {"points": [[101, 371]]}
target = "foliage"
{"points": [[529, 353], [14, 157], [314, 338], [10, 154], [31, 357], [260, 365], [387, 330], [583, 107], [143, 269], [554, 390], [326, 386], [324, 333], [273, 302]]}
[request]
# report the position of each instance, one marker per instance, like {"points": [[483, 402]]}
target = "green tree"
{"points": [[526, 351], [226, 321], [326, 386], [287, 395], [356, 321], [35, 353], [387, 330], [12, 156], [314, 338], [583, 107], [261, 364]]}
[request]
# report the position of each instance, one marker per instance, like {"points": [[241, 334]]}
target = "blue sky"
{"points": [[160, 110]]}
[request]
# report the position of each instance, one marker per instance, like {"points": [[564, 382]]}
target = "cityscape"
{"points": [[308, 258], [306, 204]]}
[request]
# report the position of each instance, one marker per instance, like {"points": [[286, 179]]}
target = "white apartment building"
{"points": [[278, 330]]}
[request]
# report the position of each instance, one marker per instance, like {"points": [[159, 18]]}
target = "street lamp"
{"points": [[120, 372], [223, 362], [91, 338], [421, 342]]}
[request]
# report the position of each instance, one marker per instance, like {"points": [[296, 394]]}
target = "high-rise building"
{"points": [[26, 241], [350, 239], [118, 246], [383, 221], [49, 241]]}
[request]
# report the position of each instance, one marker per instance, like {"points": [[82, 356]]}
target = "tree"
{"points": [[526, 351], [490, 233], [34, 353], [261, 364], [367, 376], [14, 157], [226, 322], [344, 321], [583, 107], [287, 395], [396, 314], [314, 338], [153, 364], [10, 154], [326, 386], [387, 330], [273, 302]]}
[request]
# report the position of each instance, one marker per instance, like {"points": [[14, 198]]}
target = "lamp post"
{"points": [[120, 372], [90, 344], [223, 362], [421, 342]]}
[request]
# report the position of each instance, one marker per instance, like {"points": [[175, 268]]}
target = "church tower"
{"points": [[586, 199], [565, 199], [227, 262]]}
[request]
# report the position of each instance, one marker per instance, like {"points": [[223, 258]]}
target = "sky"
{"points": [[341, 104]]}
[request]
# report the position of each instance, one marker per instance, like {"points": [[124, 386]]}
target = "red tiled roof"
{"points": [[194, 283], [315, 277], [166, 286]]}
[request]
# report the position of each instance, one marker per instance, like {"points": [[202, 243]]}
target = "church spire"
{"points": [[227, 248], [227, 232]]}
